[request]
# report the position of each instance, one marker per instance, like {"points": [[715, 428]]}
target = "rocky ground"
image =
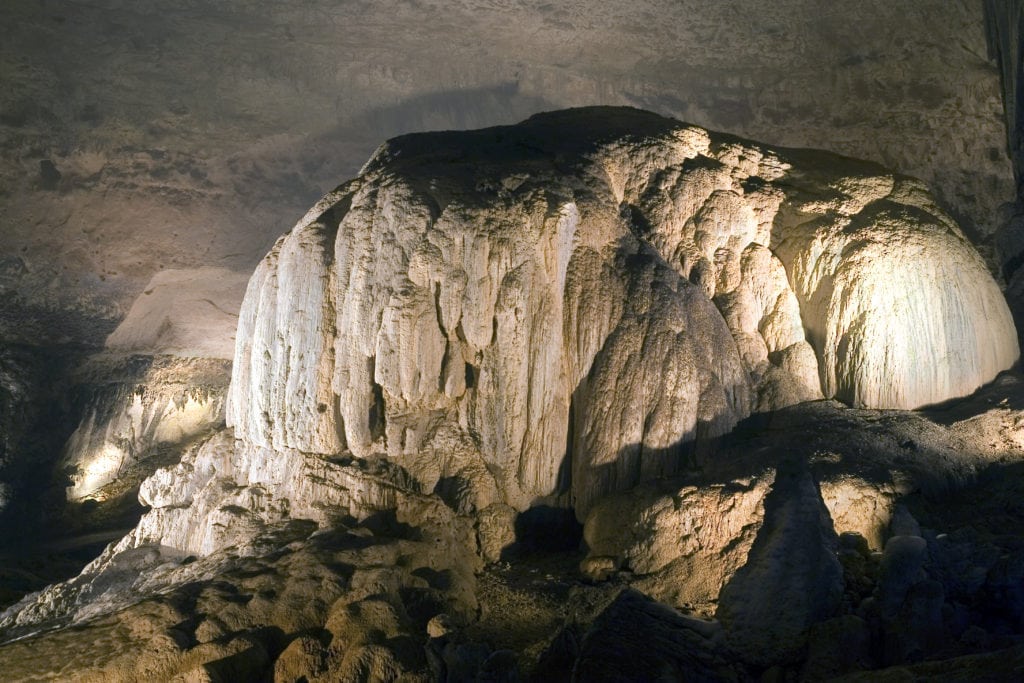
{"points": [[932, 583]]}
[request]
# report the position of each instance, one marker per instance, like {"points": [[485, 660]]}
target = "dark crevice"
{"points": [[377, 419], [437, 309], [445, 360], [339, 422], [563, 483]]}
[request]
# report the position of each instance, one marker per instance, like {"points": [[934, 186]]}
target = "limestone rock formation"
{"points": [[682, 544], [560, 307], [143, 409], [682, 539], [299, 603]]}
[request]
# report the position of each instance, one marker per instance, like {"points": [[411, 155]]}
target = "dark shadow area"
{"points": [[539, 143], [1005, 391], [381, 466], [1004, 34], [439, 580], [25, 570], [385, 523], [40, 410], [46, 394], [423, 604], [976, 549], [545, 529], [457, 493], [451, 110], [46, 331], [446, 110], [954, 590], [639, 639]]}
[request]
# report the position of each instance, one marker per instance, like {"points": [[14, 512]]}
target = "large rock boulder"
{"points": [[553, 315], [680, 542], [560, 307]]}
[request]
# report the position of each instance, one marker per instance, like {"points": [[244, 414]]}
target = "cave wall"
{"points": [[1004, 26]]}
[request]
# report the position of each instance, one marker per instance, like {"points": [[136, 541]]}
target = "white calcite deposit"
{"points": [[571, 304]]}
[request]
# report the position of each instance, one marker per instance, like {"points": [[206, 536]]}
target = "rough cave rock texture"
{"points": [[562, 305], [143, 409]]}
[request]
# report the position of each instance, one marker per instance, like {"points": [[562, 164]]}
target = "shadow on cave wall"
{"points": [[38, 412], [498, 146], [883, 450], [1006, 391], [40, 417], [44, 537], [799, 572], [443, 110]]}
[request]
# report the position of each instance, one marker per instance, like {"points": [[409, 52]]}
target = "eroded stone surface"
{"points": [[142, 409], [189, 312], [585, 292]]}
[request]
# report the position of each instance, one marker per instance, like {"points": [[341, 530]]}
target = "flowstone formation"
{"points": [[597, 316], [558, 307]]}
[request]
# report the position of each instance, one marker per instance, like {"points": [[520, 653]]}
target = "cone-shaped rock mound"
{"points": [[564, 307]]}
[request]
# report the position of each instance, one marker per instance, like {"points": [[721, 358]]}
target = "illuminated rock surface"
{"points": [[184, 312], [145, 409], [607, 279], [144, 146]]}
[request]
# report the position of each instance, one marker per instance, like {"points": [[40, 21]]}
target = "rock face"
{"points": [[677, 555], [556, 315], [145, 408], [682, 540], [345, 604], [569, 305]]}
